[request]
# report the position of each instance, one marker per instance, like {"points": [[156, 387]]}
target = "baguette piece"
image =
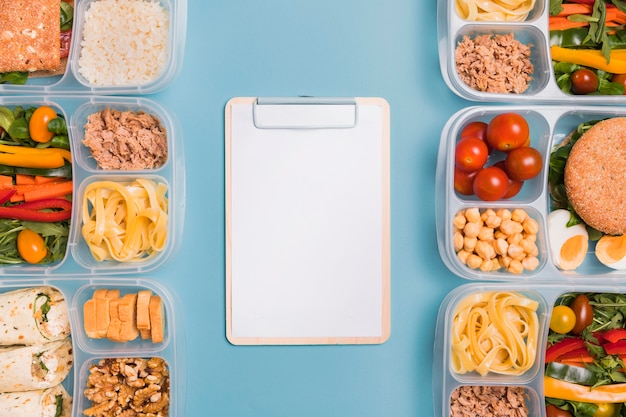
{"points": [[127, 309], [157, 319], [143, 313], [113, 332], [90, 318]]}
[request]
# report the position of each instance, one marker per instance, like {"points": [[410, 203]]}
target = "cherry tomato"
{"points": [[507, 131], [620, 79], [584, 81], [606, 410], [490, 183], [515, 186], [476, 129], [523, 163], [38, 125], [583, 311], [562, 320], [463, 181], [31, 246], [66, 38], [470, 154], [554, 411]]}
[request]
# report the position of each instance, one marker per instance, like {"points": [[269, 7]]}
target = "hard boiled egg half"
{"points": [[611, 251], [568, 245]]}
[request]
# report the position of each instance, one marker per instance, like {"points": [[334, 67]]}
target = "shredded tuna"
{"points": [[494, 63], [493, 401], [126, 140]]}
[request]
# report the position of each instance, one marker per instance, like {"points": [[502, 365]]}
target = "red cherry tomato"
{"points": [[554, 411], [470, 154], [620, 79], [491, 183], [523, 163], [31, 246], [476, 129], [583, 311], [515, 186], [584, 81], [464, 181], [38, 124], [507, 131]]}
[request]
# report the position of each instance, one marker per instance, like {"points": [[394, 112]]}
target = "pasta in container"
{"points": [[495, 11]]}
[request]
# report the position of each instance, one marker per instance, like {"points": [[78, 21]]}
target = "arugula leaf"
{"points": [[556, 7]]}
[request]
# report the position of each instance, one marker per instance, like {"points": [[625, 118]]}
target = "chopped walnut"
{"points": [[128, 387]]}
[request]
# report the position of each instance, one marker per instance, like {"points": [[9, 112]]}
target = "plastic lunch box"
{"points": [[451, 29], [89, 351], [76, 109], [72, 82], [549, 125]]}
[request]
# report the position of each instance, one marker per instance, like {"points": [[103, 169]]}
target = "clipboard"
{"points": [[307, 214]]}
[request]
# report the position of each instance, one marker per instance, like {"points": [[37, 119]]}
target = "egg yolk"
{"points": [[611, 249], [573, 252]]}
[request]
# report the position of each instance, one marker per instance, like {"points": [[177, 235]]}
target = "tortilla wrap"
{"points": [[39, 403], [33, 316], [26, 368]]}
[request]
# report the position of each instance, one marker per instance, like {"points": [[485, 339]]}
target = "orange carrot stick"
{"points": [[23, 179], [54, 190]]}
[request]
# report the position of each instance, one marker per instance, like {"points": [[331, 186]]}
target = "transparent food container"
{"points": [[533, 31], [549, 126], [446, 379], [87, 351], [78, 257], [73, 81]]}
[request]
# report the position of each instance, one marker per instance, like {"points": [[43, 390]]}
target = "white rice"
{"points": [[125, 42]]}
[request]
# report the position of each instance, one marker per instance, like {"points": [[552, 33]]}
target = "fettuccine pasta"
{"points": [[494, 10], [495, 332], [126, 222]]}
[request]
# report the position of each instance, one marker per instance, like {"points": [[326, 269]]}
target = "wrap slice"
{"points": [[38, 403], [34, 367], [32, 316]]}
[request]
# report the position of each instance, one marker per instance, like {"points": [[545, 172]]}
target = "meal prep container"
{"points": [[451, 29], [78, 259], [549, 125], [446, 380], [88, 351], [72, 82]]}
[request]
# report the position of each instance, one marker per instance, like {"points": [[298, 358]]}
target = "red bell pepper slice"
{"points": [[576, 355], [31, 211], [562, 347], [614, 335], [616, 348], [5, 195]]}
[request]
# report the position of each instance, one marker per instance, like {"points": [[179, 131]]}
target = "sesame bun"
{"points": [[595, 176]]}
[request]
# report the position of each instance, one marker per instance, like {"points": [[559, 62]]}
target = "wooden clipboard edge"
{"points": [[385, 247]]}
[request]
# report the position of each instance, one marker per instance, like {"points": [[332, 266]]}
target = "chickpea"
{"points": [[469, 243], [459, 221], [530, 263], [495, 264], [515, 250], [505, 261], [471, 229], [463, 255], [486, 233], [474, 261], [519, 215], [486, 214], [515, 238], [501, 246], [473, 215], [493, 221], [498, 234], [530, 248], [504, 214], [485, 250], [511, 227], [457, 241], [515, 267], [487, 265], [531, 226]]}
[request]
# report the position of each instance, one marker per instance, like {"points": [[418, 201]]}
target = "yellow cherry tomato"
{"points": [[38, 125], [563, 319], [606, 410], [31, 246]]}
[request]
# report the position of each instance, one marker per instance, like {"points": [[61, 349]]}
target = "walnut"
{"points": [[126, 387]]}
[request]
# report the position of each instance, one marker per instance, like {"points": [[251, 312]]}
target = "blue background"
{"points": [[322, 48]]}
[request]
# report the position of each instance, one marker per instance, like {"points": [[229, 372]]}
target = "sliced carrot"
{"points": [[6, 182], [53, 190], [563, 23], [16, 198], [22, 179], [575, 8]]}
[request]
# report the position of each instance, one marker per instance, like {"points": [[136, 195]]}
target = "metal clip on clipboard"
{"points": [[305, 113]]}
